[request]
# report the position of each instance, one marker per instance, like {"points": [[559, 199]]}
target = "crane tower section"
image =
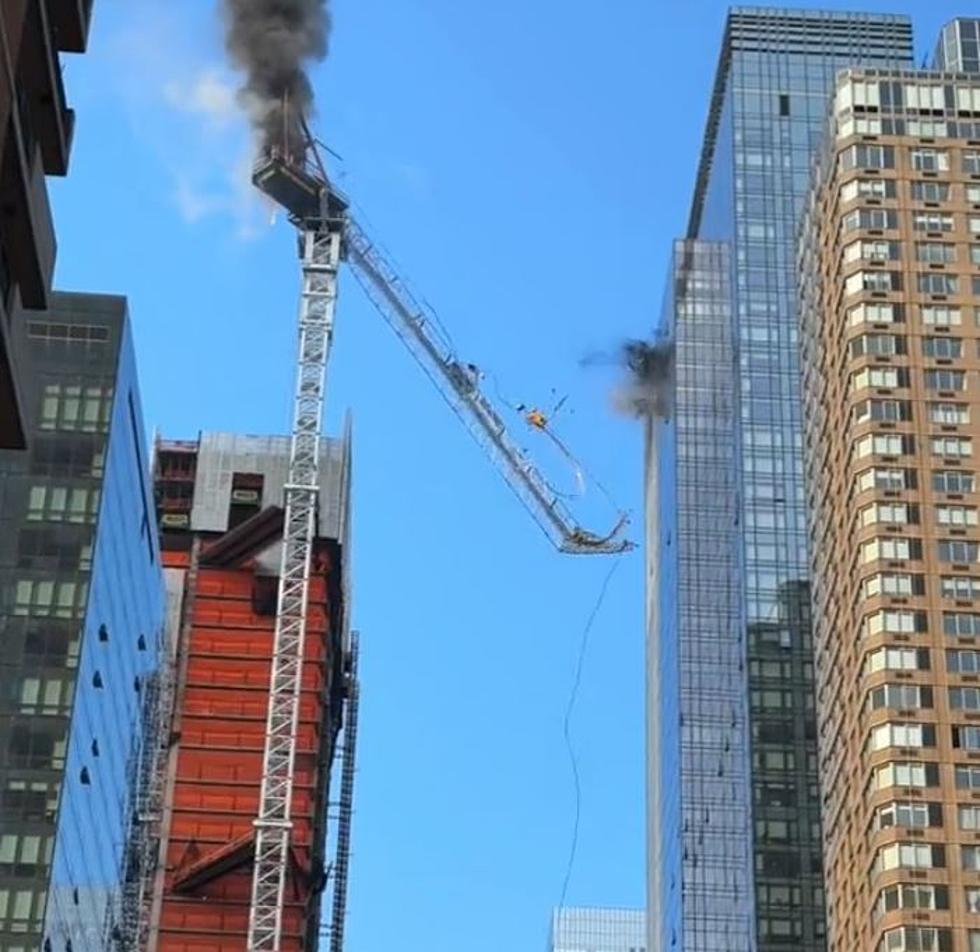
{"points": [[319, 216]]}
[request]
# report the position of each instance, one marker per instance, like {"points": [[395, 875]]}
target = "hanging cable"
{"points": [[566, 728]]}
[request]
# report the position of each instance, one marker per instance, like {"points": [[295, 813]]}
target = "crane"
{"points": [[327, 234]]}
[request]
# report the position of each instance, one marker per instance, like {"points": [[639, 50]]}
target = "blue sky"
{"points": [[528, 165]]}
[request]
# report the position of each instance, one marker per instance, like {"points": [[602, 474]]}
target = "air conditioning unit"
{"points": [[175, 520], [247, 496]]}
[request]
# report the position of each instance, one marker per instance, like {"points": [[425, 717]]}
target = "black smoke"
{"points": [[272, 42], [647, 386]]}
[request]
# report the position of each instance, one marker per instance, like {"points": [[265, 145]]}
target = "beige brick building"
{"points": [[890, 326]]}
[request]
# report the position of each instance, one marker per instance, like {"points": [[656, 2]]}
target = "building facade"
{"points": [[219, 504], [766, 118], [890, 310], [35, 140], [593, 929], [81, 603]]}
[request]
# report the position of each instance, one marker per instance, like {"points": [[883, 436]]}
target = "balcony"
{"points": [[70, 21]]}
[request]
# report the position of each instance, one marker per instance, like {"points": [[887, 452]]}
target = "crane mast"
{"points": [[327, 234]]}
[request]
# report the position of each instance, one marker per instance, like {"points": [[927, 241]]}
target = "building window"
{"points": [[949, 413], [70, 407], [898, 622], [963, 661], [932, 221], [972, 897], [940, 315], [892, 583], [956, 515], [956, 550], [49, 598], [917, 939], [869, 250], [951, 446], [904, 896], [971, 163], [889, 549], [884, 444], [871, 218], [936, 282], [867, 188], [879, 345], [896, 659], [968, 816], [935, 252], [967, 776], [63, 504], [960, 587], [894, 513], [864, 156], [883, 477], [874, 313], [900, 696], [882, 377], [909, 856], [952, 481], [942, 347], [891, 410], [929, 160], [942, 379], [961, 624], [903, 735], [930, 191]]}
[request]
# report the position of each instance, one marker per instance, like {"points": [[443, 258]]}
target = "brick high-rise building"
{"points": [[890, 317], [35, 140], [219, 503]]}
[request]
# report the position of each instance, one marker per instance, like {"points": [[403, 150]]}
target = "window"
{"points": [[929, 160], [909, 855], [949, 413], [903, 735], [935, 252], [865, 156], [952, 481], [68, 407], [868, 188], [900, 696], [936, 282], [901, 622], [960, 587], [879, 345], [950, 445], [942, 379], [874, 313], [877, 218], [46, 598], [878, 377], [892, 583], [882, 477], [916, 939], [871, 250], [896, 659], [895, 513], [62, 504], [963, 661], [967, 776], [930, 191], [964, 698], [957, 550], [971, 163], [956, 515], [883, 444], [890, 549], [940, 315], [872, 281], [974, 254], [893, 410], [972, 193], [968, 816], [942, 346], [904, 896], [972, 899], [961, 624], [973, 225], [932, 221], [906, 774]]}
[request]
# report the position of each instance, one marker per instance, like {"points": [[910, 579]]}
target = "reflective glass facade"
{"points": [[700, 887], [958, 47], [598, 930], [80, 616], [767, 113]]}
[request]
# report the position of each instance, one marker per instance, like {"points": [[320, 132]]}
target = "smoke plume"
{"points": [[272, 42], [648, 385]]}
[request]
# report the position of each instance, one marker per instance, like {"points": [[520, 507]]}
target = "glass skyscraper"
{"points": [[735, 847], [593, 929], [81, 608]]}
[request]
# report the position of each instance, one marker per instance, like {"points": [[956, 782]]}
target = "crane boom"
{"points": [[459, 384]]}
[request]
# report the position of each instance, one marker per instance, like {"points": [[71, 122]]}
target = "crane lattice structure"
{"points": [[327, 234]]}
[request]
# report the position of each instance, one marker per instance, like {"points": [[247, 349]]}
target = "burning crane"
{"points": [[271, 42]]}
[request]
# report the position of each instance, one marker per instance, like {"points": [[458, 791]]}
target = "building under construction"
{"points": [[221, 528]]}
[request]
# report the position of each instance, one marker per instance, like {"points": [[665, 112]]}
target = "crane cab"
{"points": [[289, 185]]}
